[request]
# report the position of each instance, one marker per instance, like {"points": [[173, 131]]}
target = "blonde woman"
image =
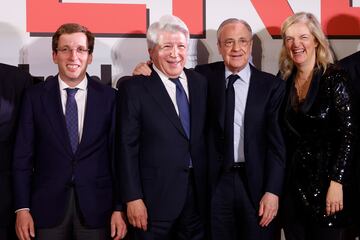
{"points": [[318, 126]]}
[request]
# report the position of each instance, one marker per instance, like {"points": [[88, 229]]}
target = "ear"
{"points": [[90, 58], [218, 47], [54, 57]]}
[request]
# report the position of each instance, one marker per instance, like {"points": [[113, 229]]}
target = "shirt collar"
{"points": [[244, 73], [164, 77], [81, 86]]}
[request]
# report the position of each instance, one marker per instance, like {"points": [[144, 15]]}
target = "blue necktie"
{"points": [[71, 116], [184, 110], [229, 119], [183, 106]]}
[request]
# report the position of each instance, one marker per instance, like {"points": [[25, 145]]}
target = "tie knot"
{"points": [[71, 91], [232, 78], [175, 80]]}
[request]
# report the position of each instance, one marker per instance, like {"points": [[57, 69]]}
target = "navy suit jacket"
{"points": [[44, 162], [153, 147], [352, 65], [263, 142], [13, 82]]}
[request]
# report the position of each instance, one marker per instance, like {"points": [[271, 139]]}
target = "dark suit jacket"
{"points": [[13, 82], [44, 163], [352, 65], [154, 149], [263, 142]]}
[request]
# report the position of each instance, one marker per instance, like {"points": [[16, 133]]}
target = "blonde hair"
{"points": [[323, 53]]}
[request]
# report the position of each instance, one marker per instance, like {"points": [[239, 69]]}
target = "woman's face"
{"points": [[300, 45]]}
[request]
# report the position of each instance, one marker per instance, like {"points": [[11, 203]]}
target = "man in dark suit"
{"points": [[162, 145], [63, 179], [13, 82], [248, 155], [352, 65], [246, 148]]}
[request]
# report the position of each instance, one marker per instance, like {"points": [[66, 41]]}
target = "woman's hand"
{"points": [[334, 198]]}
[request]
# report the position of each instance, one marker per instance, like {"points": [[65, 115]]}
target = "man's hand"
{"points": [[137, 214], [334, 198], [118, 225], [143, 69], [269, 206], [24, 225]]}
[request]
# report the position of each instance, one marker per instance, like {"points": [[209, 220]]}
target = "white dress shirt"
{"points": [[171, 87], [80, 98], [241, 87]]}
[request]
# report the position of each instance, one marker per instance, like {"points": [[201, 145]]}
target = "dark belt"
{"points": [[236, 166]]}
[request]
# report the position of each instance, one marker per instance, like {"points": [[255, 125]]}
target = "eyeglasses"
{"points": [[68, 51], [231, 42]]}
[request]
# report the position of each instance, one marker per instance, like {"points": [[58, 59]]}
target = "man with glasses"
{"points": [[63, 176], [246, 148]]}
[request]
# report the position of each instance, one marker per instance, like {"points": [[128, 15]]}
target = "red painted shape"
{"points": [[338, 18], [45, 16], [192, 12]]}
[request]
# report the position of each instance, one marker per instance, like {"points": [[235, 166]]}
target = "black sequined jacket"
{"points": [[320, 137]]}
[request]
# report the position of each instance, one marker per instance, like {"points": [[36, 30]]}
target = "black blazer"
{"points": [[153, 147], [320, 141], [44, 162], [13, 82], [263, 142]]}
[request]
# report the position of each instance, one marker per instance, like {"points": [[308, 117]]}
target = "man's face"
{"points": [[72, 57], [234, 45], [170, 54]]}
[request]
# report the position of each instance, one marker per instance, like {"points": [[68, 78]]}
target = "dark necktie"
{"points": [[229, 119], [71, 116], [183, 107]]}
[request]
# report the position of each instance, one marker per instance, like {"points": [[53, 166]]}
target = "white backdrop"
{"points": [[18, 47]]}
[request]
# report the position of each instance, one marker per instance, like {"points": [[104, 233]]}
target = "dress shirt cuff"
{"points": [[22, 209]]}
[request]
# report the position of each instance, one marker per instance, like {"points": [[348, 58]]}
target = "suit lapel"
{"points": [[218, 91], [51, 102], [158, 91], [195, 104], [92, 100]]}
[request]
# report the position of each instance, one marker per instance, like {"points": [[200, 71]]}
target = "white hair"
{"points": [[167, 23]]}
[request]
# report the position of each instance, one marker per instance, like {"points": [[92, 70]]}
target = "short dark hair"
{"points": [[69, 28]]}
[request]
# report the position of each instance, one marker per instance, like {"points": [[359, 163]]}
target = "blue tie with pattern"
{"points": [[71, 116], [183, 107]]}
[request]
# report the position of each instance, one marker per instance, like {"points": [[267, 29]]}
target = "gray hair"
{"points": [[232, 20], [167, 23]]}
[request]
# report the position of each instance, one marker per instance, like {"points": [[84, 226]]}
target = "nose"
{"points": [[73, 53], [236, 46], [174, 51]]}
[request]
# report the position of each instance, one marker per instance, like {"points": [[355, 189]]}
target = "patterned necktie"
{"points": [[229, 119], [183, 107], [71, 116]]}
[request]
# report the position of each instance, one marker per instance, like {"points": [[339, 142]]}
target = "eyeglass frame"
{"points": [[243, 42], [67, 50]]}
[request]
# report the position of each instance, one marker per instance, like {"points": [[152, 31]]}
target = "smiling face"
{"points": [[169, 55], [234, 45], [72, 64], [301, 45]]}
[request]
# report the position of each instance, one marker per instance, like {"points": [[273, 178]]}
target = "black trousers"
{"points": [[72, 226], [188, 226], [233, 215]]}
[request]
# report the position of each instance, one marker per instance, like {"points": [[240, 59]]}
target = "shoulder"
{"points": [[266, 78], [14, 74], [194, 74], [210, 67], [352, 59]]}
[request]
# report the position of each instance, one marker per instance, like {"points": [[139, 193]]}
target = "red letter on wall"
{"points": [[45, 16], [273, 13], [339, 19]]}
